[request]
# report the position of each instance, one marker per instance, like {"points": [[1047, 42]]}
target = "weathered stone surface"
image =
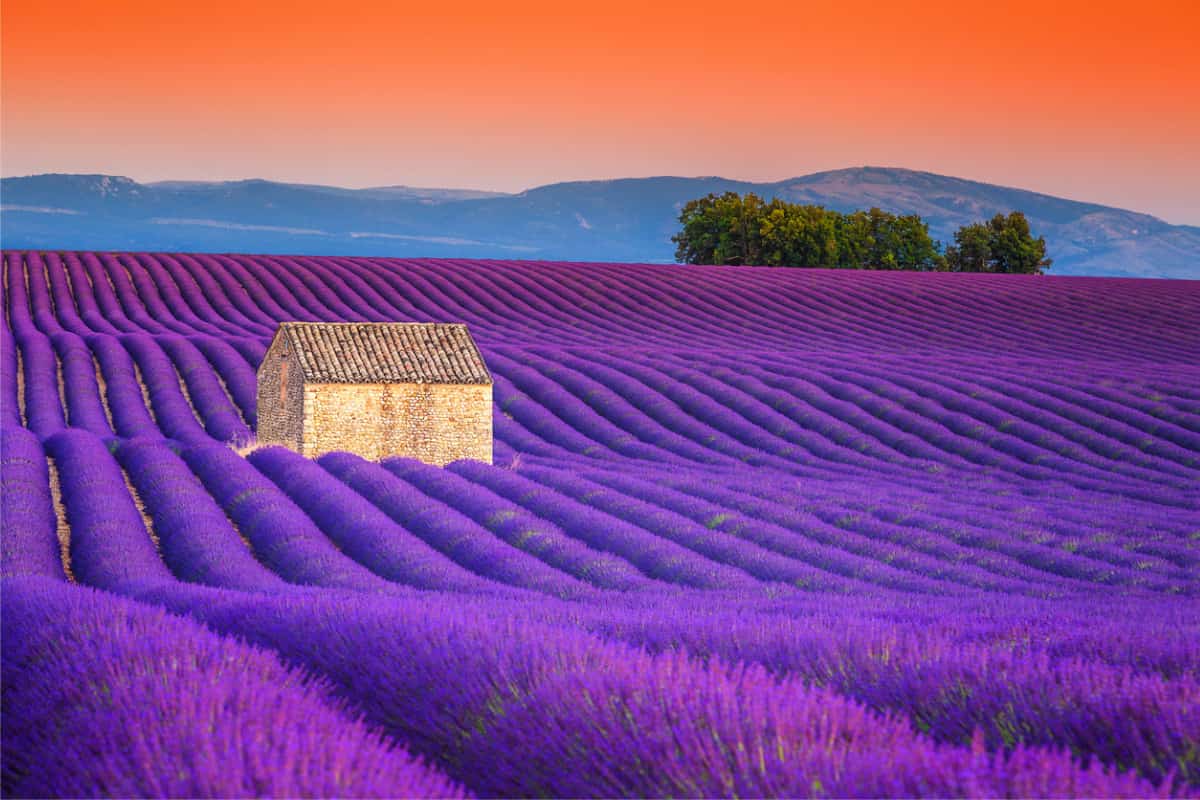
{"points": [[436, 423], [280, 396], [312, 404]]}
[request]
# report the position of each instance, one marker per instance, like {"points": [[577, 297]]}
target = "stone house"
{"points": [[419, 390]]}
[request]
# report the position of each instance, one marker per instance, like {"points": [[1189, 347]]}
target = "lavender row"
{"points": [[961, 668], [654, 556], [85, 403], [358, 528], [172, 409], [110, 546], [281, 535], [221, 419], [107, 697], [518, 528], [44, 412], [448, 530], [179, 296], [705, 538], [828, 554], [197, 540], [28, 523], [11, 392], [982, 540], [173, 316], [533, 710], [130, 412]]}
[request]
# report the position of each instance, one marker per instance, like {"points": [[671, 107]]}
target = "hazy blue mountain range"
{"points": [[617, 220]]}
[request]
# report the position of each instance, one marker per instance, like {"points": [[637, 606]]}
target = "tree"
{"points": [[1002, 244], [880, 240], [732, 229], [971, 251], [696, 242], [914, 248], [799, 236], [855, 240], [721, 229]]}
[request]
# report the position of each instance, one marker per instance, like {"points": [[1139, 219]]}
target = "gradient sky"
{"points": [[1095, 101]]}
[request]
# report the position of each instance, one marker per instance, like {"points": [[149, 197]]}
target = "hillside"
{"points": [[748, 532], [625, 220]]}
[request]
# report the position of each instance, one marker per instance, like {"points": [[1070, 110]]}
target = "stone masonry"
{"points": [[418, 390]]}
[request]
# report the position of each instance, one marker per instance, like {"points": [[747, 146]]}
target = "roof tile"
{"points": [[386, 352]]}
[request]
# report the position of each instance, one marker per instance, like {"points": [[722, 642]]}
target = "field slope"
{"points": [[749, 531]]}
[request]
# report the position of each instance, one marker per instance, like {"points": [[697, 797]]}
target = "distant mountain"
{"points": [[617, 220], [417, 193]]}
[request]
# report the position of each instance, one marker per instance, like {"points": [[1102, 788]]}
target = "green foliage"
{"points": [[876, 239], [745, 230], [1002, 244], [793, 235], [724, 229]]}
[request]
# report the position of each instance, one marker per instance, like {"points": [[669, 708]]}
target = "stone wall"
{"points": [[436, 423], [280, 397]]}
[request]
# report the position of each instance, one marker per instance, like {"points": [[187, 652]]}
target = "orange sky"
{"points": [[1093, 100]]}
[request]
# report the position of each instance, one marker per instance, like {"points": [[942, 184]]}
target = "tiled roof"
{"points": [[386, 352]]}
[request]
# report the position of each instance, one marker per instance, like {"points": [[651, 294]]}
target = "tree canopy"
{"points": [[746, 230], [1002, 244]]}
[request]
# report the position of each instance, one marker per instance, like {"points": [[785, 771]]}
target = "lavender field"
{"points": [[749, 532]]}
